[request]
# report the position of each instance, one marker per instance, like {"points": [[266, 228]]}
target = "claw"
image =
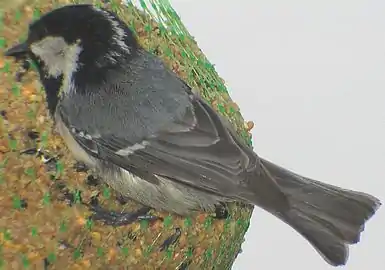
{"points": [[30, 151], [23, 70], [171, 240]]}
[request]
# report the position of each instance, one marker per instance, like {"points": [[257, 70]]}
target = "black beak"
{"points": [[18, 50]]}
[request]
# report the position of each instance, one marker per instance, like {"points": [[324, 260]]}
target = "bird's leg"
{"points": [[115, 218]]}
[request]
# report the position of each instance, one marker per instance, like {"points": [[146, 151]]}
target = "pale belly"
{"points": [[167, 195]]}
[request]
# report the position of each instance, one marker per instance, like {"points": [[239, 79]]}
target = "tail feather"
{"points": [[321, 235], [329, 217]]}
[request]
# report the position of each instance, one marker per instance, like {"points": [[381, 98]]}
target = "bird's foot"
{"points": [[115, 218], [46, 158], [221, 212], [171, 240]]}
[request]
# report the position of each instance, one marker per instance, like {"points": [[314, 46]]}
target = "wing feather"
{"points": [[198, 151]]}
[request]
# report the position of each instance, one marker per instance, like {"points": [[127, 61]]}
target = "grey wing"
{"points": [[200, 151]]}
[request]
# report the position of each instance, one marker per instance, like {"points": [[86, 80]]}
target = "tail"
{"points": [[329, 217]]}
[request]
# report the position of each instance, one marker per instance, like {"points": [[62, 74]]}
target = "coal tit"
{"points": [[122, 112]]}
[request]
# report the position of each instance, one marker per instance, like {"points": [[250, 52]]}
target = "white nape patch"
{"points": [[119, 34], [131, 149], [71, 66], [59, 58]]}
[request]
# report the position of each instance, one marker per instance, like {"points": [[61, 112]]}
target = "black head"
{"points": [[76, 41], [99, 32]]}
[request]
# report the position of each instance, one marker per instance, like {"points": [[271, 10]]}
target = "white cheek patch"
{"points": [[59, 58], [49, 51]]}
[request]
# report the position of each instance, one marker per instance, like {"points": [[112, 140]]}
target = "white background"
{"points": [[311, 75]]}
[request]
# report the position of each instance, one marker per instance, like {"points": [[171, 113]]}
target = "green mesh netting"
{"points": [[43, 225]]}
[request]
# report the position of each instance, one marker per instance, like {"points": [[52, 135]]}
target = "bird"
{"points": [[154, 139]]}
